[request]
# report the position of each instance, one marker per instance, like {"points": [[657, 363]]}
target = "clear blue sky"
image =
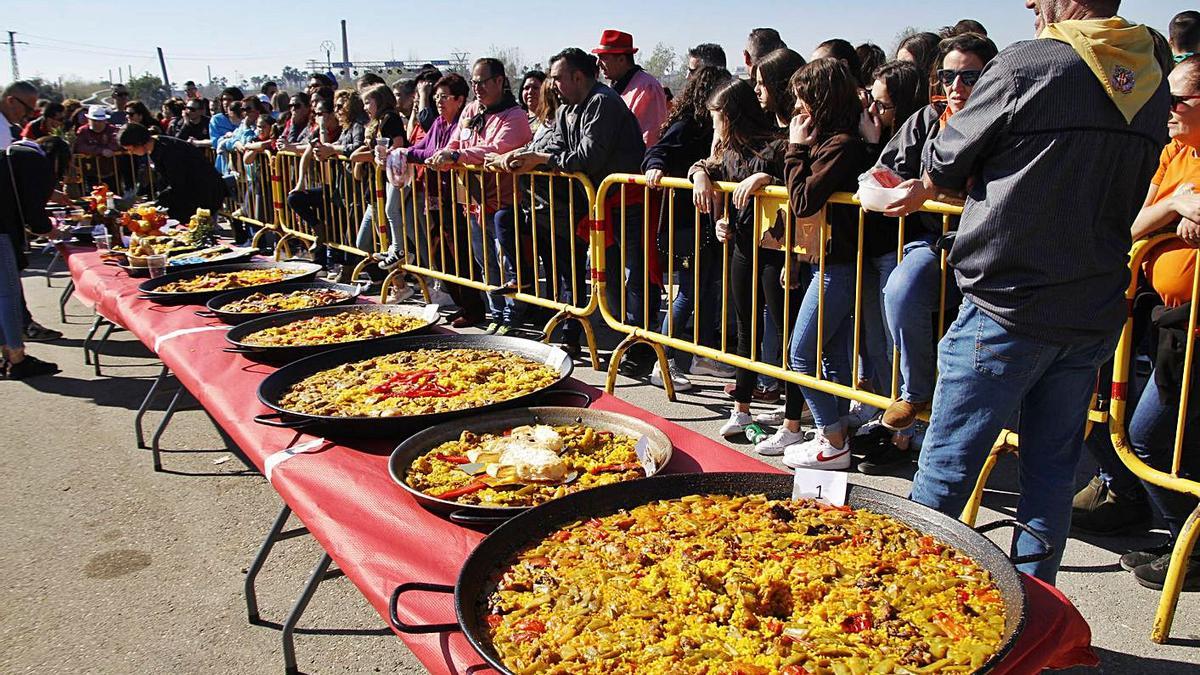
{"points": [[86, 39]]}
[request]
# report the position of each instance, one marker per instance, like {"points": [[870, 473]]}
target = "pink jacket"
{"points": [[501, 132], [646, 98]]}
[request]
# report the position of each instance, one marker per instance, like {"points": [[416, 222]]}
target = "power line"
{"points": [[116, 51]]}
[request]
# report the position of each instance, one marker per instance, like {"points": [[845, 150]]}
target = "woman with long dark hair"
{"points": [[686, 137], [891, 100], [921, 49], [825, 155], [771, 77], [748, 149]]}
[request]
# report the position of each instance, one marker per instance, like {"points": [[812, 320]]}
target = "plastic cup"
{"points": [[156, 265], [102, 242]]}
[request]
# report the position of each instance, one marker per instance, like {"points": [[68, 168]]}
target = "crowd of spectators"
{"points": [[948, 113]]}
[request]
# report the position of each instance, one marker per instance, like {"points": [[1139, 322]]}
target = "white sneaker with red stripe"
{"points": [[817, 454]]}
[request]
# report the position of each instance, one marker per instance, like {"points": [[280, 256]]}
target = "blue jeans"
{"points": [[11, 297], [876, 342], [1152, 436], [708, 265], [987, 374], [826, 409], [910, 299], [487, 257]]}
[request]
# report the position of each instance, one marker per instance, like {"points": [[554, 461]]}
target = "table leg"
{"points": [[162, 426], [87, 339], [103, 339], [145, 406], [62, 299], [274, 536], [50, 265], [320, 573]]}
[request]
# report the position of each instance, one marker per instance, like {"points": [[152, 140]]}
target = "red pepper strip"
{"points": [[494, 620], [474, 486], [604, 468], [949, 626], [453, 459], [857, 623]]}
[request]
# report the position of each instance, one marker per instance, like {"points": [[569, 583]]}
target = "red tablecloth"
{"points": [[377, 533]]}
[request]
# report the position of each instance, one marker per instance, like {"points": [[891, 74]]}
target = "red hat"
{"points": [[615, 42]]}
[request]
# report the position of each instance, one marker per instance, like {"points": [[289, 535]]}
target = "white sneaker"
{"points": [[817, 454], [774, 446], [736, 424], [400, 294], [703, 366], [860, 414], [677, 378], [773, 417]]}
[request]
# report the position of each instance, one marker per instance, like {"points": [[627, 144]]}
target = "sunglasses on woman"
{"points": [[969, 77]]}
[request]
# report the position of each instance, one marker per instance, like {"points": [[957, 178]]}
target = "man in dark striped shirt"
{"points": [[1055, 149]]}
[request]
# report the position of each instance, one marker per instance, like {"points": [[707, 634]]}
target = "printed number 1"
{"points": [[819, 491]]}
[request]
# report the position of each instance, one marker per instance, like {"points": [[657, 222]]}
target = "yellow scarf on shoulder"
{"points": [[1121, 55]]}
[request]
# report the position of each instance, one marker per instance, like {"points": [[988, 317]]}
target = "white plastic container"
{"points": [[875, 198]]}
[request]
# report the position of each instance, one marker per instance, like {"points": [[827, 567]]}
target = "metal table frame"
{"points": [[320, 572]]}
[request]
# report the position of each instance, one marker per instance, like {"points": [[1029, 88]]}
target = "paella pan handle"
{"points": [[240, 350], [463, 517], [206, 314], [417, 630], [278, 420], [582, 395], [1047, 547], [143, 296]]}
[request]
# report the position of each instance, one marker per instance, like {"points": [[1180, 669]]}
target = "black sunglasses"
{"points": [[121, 94], [969, 77], [193, 108], [1176, 100]]}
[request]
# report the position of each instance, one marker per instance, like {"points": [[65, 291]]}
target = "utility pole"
{"points": [[130, 67], [12, 51], [110, 80], [163, 63], [345, 53], [209, 74], [327, 47]]}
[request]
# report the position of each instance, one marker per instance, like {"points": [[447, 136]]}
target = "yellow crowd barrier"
{"points": [[443, 214], [1170, 480], [123, 173], [768, 203], [339, 192], [256, 196]]}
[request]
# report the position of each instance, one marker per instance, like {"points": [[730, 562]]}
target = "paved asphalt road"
{"points": [[113, 568]]}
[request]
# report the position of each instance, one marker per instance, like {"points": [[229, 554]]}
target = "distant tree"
{"points": [[49, 90], [293, 77], [82, 89], [148, 89], [902, 36], [514, 63], [667, 65]]}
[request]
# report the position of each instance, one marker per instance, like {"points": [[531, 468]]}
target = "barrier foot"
{"points": [[664, 368], [281, 247], [360, 268], [1175, 575], [614, 362], [971, 510], [619, 353], [425, 292], [589, 332]]}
